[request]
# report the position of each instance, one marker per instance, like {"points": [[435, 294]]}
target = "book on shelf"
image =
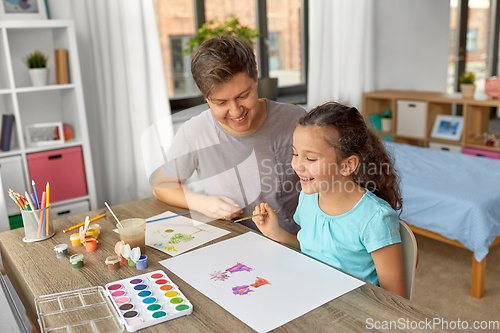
{"points": [[61, 60], [6, 132]]}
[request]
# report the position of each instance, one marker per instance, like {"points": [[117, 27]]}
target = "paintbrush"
{"points": [[249, 217], [105, 203]]}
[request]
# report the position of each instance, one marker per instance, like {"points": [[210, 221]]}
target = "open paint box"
{"points": [[83, 310], [136, 302]]}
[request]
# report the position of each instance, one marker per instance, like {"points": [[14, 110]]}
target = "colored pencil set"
{"points": [[30, 202]]}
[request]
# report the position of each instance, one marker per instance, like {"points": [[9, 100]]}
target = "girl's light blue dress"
{"points": [[345, 241]]}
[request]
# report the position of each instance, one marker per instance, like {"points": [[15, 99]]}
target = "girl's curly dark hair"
{"points": [[350, 136]]}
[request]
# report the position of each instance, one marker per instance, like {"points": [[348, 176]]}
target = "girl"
{"points": [[350, 194]]}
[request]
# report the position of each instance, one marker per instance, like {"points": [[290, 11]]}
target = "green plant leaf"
{"points": [[214, 28], [387, 114], [36, 60], [467, 78]]}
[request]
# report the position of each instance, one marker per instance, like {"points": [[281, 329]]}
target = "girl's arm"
{"points": [[269, 226], [389, 265]]}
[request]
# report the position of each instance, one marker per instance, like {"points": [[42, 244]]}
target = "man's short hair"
{"points": [[218, 59]]}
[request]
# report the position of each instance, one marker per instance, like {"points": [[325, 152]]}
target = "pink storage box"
{"points": [[63, 169], [483, 153]]}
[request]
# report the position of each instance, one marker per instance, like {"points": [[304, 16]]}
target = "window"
{"points": [[175, 19], [284, 35], [182, 80], [274, 54], [284, 55], [476, 53], [471, 40]]}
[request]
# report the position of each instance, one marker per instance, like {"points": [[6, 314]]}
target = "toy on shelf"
{"points": [[490, 139], [492, 87]]}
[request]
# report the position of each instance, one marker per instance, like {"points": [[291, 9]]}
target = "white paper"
{"points": [[297, 283], [179, 234]]}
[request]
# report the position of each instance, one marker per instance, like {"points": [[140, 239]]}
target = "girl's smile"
{"points": [[314, 160], [305, 180]]}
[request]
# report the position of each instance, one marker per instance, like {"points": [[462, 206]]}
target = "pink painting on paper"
{"points": [[242, 290], [219, 276], [239, 268]]}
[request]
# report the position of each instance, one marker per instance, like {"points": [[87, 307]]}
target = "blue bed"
{"points": [[454, 195]]}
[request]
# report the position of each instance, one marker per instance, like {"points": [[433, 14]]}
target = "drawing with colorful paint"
{"points": [[174, 234], [243, 289]]}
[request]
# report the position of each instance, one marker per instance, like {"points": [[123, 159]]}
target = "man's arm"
{"points": [[171, 190]]}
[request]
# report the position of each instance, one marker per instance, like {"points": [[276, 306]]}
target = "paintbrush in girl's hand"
{"points": [[249, 217]]}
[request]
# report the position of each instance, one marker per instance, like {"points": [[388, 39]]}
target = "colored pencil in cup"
{"points": [[34, 215], [16, 197], [30, 202], [41, 221], [35, 200], [15, 200], [47, 217], [35, 194]]}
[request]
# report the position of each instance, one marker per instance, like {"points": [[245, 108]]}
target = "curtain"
{"points": [[341, 51], [125, 90]]}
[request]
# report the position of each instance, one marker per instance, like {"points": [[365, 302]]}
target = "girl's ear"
{"points": [[349, 165]]}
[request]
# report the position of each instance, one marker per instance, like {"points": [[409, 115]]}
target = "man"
{"points": [[241, 147]]}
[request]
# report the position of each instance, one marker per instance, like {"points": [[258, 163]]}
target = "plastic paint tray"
{"points": [[83, 310], [148, 299]]}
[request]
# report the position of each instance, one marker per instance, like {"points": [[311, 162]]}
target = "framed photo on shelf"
{"points": [[23, 10], [43, 134], [447, 127]]}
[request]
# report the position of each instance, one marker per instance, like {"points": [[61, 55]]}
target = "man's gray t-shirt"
{"points": [[248, 169]]}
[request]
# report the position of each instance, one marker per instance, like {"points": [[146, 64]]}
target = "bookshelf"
{"points": [[476, 114], [43, 104]]}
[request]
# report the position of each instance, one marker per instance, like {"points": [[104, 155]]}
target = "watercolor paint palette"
{"points": [[148, 299]]}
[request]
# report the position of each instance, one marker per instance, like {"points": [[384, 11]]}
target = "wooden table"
{"points": [[34, 270]]}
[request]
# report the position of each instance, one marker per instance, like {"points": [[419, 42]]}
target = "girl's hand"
{"points": [[267, 223]]}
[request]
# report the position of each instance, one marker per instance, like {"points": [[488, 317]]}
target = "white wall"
{"points": [[412, 44]]}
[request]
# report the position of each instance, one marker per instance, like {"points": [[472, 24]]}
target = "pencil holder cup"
{"points": [[37, 224]]}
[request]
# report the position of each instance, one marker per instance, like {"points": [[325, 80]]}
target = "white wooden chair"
{"points": [[409, 252]]}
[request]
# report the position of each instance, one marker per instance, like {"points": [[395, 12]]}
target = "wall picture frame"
{"points": [[23, 10], [448, 127], [43, 134]]}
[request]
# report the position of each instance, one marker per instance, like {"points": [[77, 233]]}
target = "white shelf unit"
{"points": [[52, 103]]}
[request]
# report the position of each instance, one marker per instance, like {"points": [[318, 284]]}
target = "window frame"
{"points": [[294, 92], [460, 53]]}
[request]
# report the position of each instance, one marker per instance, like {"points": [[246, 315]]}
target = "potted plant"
{"points": [[386, 121], [214, 28], [268, 87], [37, 65], [467, 85]]}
